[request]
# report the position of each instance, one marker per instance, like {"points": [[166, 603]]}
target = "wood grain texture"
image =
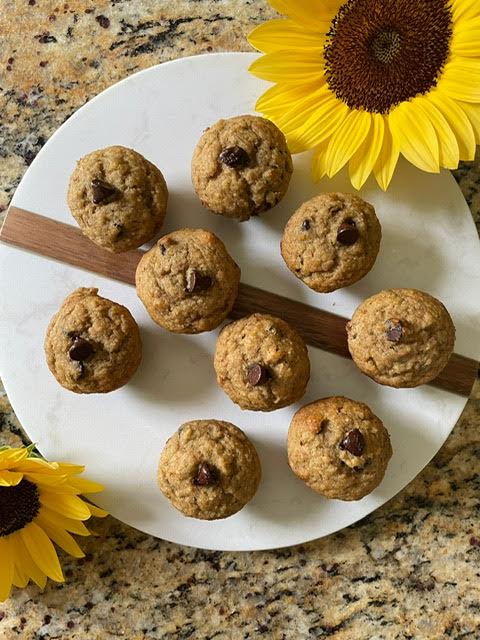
{"points": [[319, 328]]}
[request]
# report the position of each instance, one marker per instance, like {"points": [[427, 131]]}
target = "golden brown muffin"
{"points": [[188, 282], [92, 345], [241, 167], [209, 469], [339, 448], [331, 241], [401, 337], [118, 198], [261, 363]]}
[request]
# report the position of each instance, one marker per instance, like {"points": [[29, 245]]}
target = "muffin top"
{"points": [[92, 345], [118, 198], [331, 241], [241, 167], [188, 282], [401, 337]]}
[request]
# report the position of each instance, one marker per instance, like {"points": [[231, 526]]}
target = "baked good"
{"points": [[331, 241], [188, 282], [339, 448], [118, 198], [261, 363], [401, 337], [241, 167], [92, 345], [209, 469]]}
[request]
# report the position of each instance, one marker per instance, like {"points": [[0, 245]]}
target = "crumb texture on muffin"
{"points": [[331, 241], [339, 448], [401, 337], [241, 167], [118, 198], [92, 345], [188, 282], [262, 363], [209, 469]]}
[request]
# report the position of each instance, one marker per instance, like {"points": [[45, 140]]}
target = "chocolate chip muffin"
{"points": [[339, 448], [331, 241], [241, 167], [118, 198], [209, 469], [261, 363], [187, 281], [401, 337], [92, 345]]}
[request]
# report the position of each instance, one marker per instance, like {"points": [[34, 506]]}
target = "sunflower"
{"points": [[364, 81], [39, 503]]}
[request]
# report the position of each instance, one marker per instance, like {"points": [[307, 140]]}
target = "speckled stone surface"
{"points": [[409, 571]]}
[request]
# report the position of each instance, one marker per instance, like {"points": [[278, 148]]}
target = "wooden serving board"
{"points": [[319, 328]]}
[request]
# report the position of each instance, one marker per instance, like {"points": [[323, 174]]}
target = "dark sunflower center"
{"points": [[385, 46], [19, 505], [380, 53]]}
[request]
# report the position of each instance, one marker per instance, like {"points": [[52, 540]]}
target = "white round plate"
{"points": [[429, 242]]}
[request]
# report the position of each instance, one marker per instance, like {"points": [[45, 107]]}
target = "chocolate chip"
{"points": [[163, 249], [197, 282], [80, 350], [394, 330], [347, 233], [353, 442], [257, 374], [103, 192], [306, 225], [234, 157], [207, 475], [336, 208]]}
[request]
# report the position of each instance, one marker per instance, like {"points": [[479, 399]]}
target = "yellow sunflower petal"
{"points": [[24, 561], [297, 113], [10, 457], [42, 551], [10, 478], [313, 15], [466, 39], [58, 520], [6, 568], [37, 465], [288, 66], [449, 154], [71, 469], [322, 124], [459, 79], [96, 511], [278, 97], [61, 537], [362, 162], [278, 35], [48, 480], [20, 579], [68, 505], [387, 159], [415, 136], [465, 9], [346, 140], [319, 169], [473, 114], [86, 486], [459, 123]]}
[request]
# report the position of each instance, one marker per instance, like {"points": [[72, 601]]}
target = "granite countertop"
{"points": [[410, 570]]}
